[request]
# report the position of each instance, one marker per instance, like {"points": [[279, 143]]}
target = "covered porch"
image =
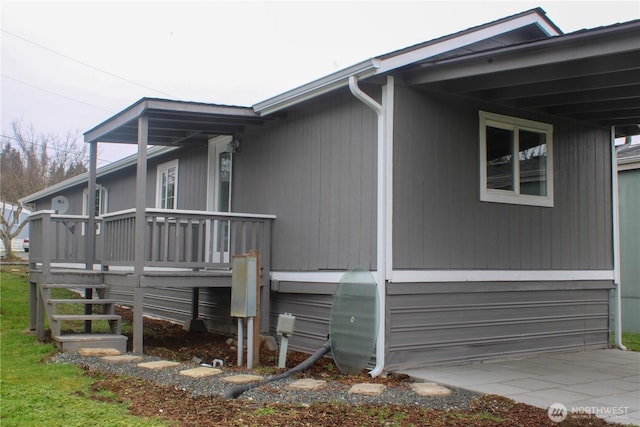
{"points": [[146, 247]]}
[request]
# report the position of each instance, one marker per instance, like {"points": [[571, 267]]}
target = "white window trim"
{"points": [[162, 168], [514, 196], [85, 206]]}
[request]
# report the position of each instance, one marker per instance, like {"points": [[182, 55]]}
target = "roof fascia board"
{"points": [[629, 163], [105, 170], [446, 45], [317, 87], [123, 117], [384, 64], [195, 107], [557, 49], [139, 108]]}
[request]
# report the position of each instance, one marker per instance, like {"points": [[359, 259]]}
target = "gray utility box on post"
{"points": [[244, 286], [285, 324]]}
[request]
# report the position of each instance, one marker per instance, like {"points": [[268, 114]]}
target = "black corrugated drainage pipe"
{"points": [[237, 391]]}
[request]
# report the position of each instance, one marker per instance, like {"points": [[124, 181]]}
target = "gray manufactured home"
{"points": [[471, 174]]}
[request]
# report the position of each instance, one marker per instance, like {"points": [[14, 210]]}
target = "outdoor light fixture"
{"points": [[233, 146]]}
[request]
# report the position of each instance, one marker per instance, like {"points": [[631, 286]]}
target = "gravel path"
{"points": [[273, 392]]}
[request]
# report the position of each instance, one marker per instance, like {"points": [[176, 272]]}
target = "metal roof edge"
{"points": [[386, 62], [316, 87], [104, 170], [463, 38], [628, 163]]}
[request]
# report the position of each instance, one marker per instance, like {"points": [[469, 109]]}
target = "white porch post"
{"points": [[141, 190]]}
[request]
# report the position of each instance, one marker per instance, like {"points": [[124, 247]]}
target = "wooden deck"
{"points": [[181, 249]]}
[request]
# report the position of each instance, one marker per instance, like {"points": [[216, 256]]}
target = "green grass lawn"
{"points": [[36, 393], [631, 341]]}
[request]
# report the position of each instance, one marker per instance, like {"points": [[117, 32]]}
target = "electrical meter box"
{"points": [[244, 286], [285, 324]]}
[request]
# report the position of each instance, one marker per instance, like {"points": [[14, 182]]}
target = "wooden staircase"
{"points": [[96, 310]]}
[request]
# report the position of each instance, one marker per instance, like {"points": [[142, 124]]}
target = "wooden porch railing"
{"points": [[57, 238], [174, 238]]}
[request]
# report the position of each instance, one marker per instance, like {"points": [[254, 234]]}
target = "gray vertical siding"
{"points": [[439, 221], [629, 191], [448, 323], [316, 172]]}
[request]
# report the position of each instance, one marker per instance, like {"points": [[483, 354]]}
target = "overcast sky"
{"points": [[68, 66]]}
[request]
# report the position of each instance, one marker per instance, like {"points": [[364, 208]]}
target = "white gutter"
{"points": [[617, 321], [383, 232], [317, 87]]}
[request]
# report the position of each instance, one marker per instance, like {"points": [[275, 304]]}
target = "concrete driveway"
{"points": [[604, 382]]}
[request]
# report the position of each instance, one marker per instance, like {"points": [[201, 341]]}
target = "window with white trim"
{"points": [[101, 200], [167, 185], [516, 160]]}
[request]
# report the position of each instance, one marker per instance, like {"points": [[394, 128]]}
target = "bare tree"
{"points": [[29, 162]]}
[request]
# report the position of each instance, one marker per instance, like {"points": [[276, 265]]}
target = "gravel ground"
{"points": [[273, 392]]}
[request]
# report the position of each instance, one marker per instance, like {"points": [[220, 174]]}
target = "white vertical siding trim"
{"points": [[425, 276]]}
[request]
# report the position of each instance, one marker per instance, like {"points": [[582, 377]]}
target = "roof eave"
{"points": [[395, 60], [84, 177], [317, 87]]}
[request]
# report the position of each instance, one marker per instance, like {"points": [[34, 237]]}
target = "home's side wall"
{"points": [[440, 224], [315, 170], [629, 202]]}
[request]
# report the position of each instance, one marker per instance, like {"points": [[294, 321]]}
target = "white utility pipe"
{"points": [[381, 226], [617, 321], [250, 343], [284, 346], [240, 342]]}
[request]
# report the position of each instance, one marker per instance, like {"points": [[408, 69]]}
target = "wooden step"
{"points": [[70, 317], [73, 342], [72, 286], [95, 301]]}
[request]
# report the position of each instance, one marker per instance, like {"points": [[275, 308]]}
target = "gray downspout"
{"points": [[617, 322]]}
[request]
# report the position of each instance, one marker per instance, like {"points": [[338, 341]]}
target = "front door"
{"points": [[219, 196]]}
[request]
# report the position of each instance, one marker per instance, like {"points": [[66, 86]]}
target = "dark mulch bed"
{"points": [[180, 408]]}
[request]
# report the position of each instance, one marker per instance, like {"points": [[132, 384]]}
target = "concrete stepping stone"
{"points": [[367, 389], [121, 358], [200, 372], [430, 389], [242, 379], [98, 351], [306, 384], [158, 364]]}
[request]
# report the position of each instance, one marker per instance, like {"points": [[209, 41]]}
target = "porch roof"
{"points": [[589, 76], [174, 123]]}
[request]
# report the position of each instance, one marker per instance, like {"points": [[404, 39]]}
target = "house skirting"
{"points": [[456, 322], [448, 322]]}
